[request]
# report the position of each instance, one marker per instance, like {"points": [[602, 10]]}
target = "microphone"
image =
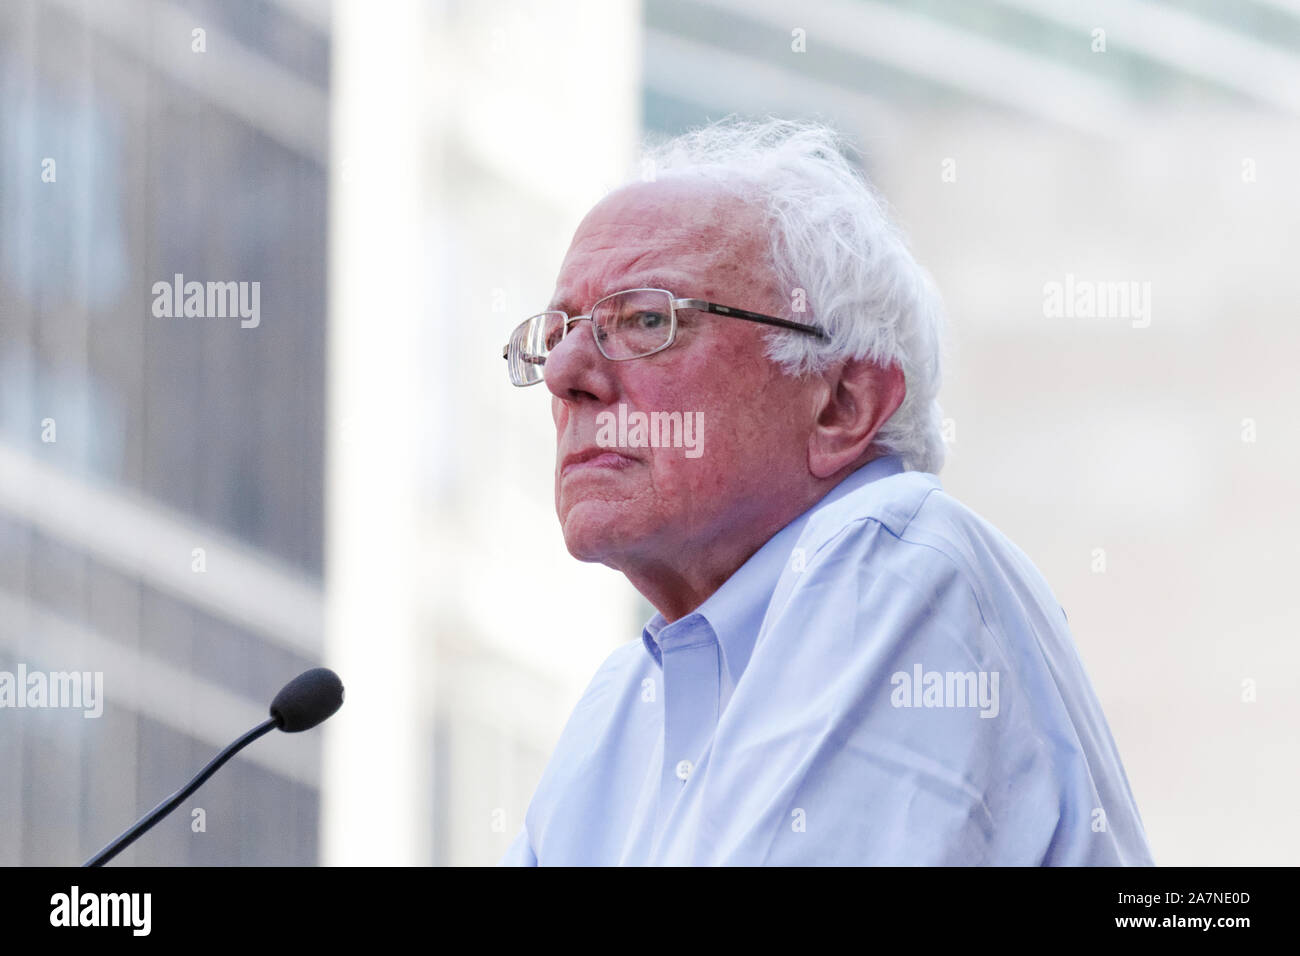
{"points": [[307, 700]]}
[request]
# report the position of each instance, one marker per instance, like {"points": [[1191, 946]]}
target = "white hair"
{"points": [[833, 242]]}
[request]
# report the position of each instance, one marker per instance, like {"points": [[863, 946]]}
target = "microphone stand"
{"points": [[170, 804]]}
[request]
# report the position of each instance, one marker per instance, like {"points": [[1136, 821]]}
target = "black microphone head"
{"points": [[308, 699]]}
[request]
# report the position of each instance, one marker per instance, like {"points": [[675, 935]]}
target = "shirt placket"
{"points": [[691, 687]]}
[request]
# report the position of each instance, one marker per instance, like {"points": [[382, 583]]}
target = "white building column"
{"points": [[376, 800]]}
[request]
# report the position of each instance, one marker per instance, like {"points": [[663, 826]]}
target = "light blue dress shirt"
{"points": [[888, 680]]}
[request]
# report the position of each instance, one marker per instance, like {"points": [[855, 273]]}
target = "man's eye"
{"points": [[650, 320]]}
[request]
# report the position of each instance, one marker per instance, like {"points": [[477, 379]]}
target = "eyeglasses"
{"points": [[626, 325]]}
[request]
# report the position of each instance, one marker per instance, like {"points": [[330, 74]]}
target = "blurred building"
{"points": [[161, 479]]}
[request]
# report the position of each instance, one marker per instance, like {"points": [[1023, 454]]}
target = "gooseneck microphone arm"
{"points": [[304, 702], [172, 802]]}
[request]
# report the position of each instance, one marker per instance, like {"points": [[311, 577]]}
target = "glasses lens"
{"points": [[632, 324], [530, 343]]}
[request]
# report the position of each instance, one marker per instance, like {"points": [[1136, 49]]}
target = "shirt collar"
{"points": [[735, 611]]}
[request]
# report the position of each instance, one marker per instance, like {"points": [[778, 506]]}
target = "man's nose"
{"points": [[575, 367]]}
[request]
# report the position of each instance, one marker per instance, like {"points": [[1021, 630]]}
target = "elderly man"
{"points": [[847, 665]]}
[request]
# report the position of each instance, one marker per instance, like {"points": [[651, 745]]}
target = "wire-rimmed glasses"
{"points": [[626, 325]]}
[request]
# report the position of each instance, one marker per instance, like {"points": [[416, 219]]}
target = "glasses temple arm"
{"points": [[753, 317]]}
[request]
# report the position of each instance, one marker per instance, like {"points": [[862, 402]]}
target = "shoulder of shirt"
{"points": [[892, 501], [914, 508], [918, 513]]}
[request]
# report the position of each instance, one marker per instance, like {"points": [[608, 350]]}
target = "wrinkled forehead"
{"points": [[686, 234]]}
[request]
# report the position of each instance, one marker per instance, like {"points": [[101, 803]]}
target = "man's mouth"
{"points": [[594, 458]]}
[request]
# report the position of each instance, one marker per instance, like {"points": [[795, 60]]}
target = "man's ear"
{"points": [[857, 398]]}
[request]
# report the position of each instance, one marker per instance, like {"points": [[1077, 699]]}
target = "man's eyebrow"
{"points": [[653, 281]]}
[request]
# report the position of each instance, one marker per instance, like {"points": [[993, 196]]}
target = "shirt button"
{"points": [[684, 768]]}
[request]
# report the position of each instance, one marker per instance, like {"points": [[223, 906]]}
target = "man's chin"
{"points": [[592, 533]]}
